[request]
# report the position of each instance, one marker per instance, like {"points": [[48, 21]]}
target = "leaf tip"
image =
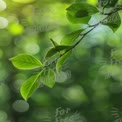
{"points": [[10, 59]]}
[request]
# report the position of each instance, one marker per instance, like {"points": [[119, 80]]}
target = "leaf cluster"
{"points": [[77, 13]]}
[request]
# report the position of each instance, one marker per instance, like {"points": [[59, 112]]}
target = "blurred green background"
{"points": [[89, 88]]}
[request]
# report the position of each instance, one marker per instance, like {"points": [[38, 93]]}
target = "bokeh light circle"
{"points": [[3, 22], [20, 106], [2, 5]]}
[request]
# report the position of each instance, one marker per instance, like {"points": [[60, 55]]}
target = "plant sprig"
{"points": [[78, 13]]}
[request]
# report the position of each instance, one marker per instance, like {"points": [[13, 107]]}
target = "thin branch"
{"points": [[83, 35]]}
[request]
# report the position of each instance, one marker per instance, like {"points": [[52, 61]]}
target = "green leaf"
{"points": [[61, 61], [75, 20], [62, 47], [114, 21], [54, 43], [48, 78], [30, 86], [69, 39], [107, 3], [25, 62], [51, 52], [80, 12], [58, 48]]}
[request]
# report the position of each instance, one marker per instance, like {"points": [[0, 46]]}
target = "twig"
{"points": [[83, 35]]}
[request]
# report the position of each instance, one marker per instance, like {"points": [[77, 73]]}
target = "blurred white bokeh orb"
{"points": [[20, 106], [3, 22], [2, 5]]}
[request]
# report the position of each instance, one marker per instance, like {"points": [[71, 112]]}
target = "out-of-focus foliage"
{"points": [[91, 80]]}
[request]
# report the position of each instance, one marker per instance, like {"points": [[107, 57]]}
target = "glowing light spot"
{"points": [[32, 48], [92, 2], [3, 22], [16, 29], [3, 116], [20, 106], [23, 1], [75, 94], [2, 5]]}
